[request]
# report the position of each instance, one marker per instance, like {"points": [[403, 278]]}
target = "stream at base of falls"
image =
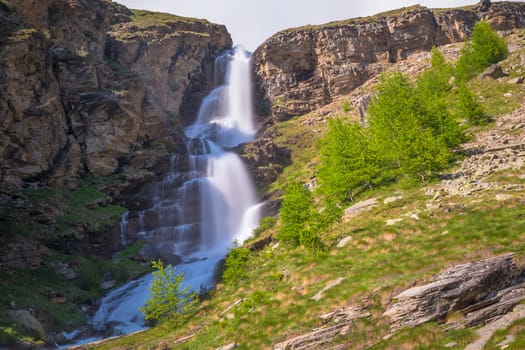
{"points": [[205, 203]]}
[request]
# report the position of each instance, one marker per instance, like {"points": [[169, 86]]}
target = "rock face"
{"points": [[87, 86], [302, 69], [480, 291]]}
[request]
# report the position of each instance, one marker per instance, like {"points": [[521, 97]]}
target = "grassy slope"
{"points": [[378, 262]]}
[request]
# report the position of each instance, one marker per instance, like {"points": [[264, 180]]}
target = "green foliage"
{"points": [[265, 224], [469, 108], [294, 214], [346, 106], [404, 132], [168, 300], [347, 162], [431, 93], [484, 48], [235, 265], [411, 129]]}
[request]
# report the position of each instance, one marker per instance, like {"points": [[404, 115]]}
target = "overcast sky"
{"points": [[250, 22]]}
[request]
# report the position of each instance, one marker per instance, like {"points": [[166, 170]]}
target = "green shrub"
{"points": [[346, 106], [265, 224], [294, 214], [169, 301], [347, 162], [469, 108], [484, 48], [235, 265]]}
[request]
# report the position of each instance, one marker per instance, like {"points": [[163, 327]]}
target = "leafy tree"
{"points": [[347, 162], [484, 48], [469, 108], [168, 300], [295, 214]]}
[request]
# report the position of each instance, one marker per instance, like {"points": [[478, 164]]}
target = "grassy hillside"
{"points": [[413, 231]]}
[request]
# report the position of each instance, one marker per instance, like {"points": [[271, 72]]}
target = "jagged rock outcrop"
{"points": [[299, 70], [480, 291], [341, 319], [85, 86], [265, 160]]}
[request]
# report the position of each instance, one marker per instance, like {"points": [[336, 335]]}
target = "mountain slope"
{"points": [[394, 238]]}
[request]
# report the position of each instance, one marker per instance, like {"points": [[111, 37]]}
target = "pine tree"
{"points": [[168, 300], [484, 48], [295, 214], [346, 161]]}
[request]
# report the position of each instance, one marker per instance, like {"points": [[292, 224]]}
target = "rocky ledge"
{"points": [[479, 291], [299, 70]]}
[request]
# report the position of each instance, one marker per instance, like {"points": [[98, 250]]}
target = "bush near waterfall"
{"points": [[295, 214], [169, 301]]}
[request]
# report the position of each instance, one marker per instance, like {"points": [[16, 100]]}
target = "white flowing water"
{"points": [[197, 212]]}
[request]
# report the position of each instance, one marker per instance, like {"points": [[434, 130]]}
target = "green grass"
{"points": [[301, 140], [516, 330], [144, 19], [491, 94]]}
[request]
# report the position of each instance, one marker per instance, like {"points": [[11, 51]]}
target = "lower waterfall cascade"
{"points": [[202, 206]]}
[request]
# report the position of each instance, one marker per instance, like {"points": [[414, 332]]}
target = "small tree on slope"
{"points": [[168, 300]]}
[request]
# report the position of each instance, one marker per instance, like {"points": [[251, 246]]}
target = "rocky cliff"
{"points": [[88, 87], [299, 70]]}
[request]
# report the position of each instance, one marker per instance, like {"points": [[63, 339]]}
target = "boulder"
{"points": [[480, 290], [494, 72], [30, 323], [359, 208]]}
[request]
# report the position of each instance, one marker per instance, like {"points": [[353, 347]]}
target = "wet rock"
{"points": [[264, 160]]}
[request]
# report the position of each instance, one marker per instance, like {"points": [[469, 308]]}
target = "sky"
{"points": [[250, 22]]}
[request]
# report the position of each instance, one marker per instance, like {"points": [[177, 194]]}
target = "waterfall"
{"points": [[205, 203]]}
